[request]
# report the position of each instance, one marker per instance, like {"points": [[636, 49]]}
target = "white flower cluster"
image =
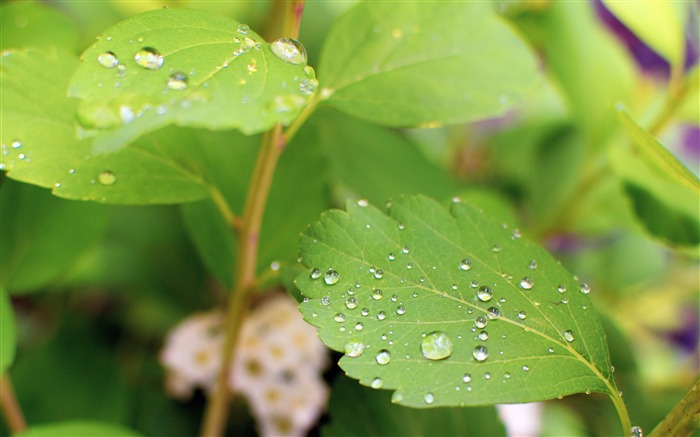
{"points": [[277, 367]]}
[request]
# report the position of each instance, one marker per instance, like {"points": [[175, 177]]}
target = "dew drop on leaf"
{"points": [[289, 50], [483, 336], [480, 322], [436, 346], [561, 288], [429, 398], [376, 383], [339, 317], [465, 264], [487, 376], [383, 357], [359, 326], [522, 315], [365, 312], [585, 288], [326, 300], [108, 59], [493, 313], [401, 310], [381, 315], [331, 277], [243, 29], [467, 378], [527, 283], [351, 303], [378, 274], [315, 273], [177, 81], [149, 58], [484, 293], [16, 144], [354, 348], [568, 336], [480, 353], [636, 431], [107, 178]]}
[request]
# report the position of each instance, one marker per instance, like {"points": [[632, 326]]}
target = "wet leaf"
{"points": [[424, 63], [7, 332], [78, 429], [189, 68], [447, 308]]}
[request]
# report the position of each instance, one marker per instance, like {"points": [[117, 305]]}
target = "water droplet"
{"points": [[289, 50], [391, 257], [379, 274], [487, 375], [496, 248], [405, 250], [377, 294], [354, 348], [315, 273], [429, 398], [436, 346], [493, 313], [149, 58], [253, 66], [484, 293], [243, 29], [561, 289], [636, 431], [569, 336], [381, 315], [383, 357], [409, 266], [308, 86], [177, 81], [376, 383], [339, 317], [466, 378], [351, 303], [359, 326], [532, 265], [527, 283], [522, 315], [331, 277], [526, 368], [401, 310], [394, 297], [585, 288], [483, 336], [480, 353], [506, 375], [326, 300], [16, 144], [550, 350], [465, 264], [365, 312], [107, 178], [480, 322], [108, 59]]}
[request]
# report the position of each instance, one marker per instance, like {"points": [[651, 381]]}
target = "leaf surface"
{"points": [[78, 429], [184, 67], [541, 344], [27, 24], [7, 332], [424, 63]]}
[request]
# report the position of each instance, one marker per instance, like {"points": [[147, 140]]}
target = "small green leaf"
{"points": [[185, 67], [449, 308], [28, 23], [78, 429], [424, 63], [660, 24], [7, 332], [350, 402]]}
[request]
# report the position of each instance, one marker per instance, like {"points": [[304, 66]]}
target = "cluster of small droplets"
{"points": [[278, 364]]}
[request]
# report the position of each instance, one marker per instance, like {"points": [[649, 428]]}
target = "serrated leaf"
{"points": [[78, 429], [7, 331], [424, 63], [659, 24], [544, 344], [39, 144], [203, 72]]}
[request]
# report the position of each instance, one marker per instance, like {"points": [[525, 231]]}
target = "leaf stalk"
{"points": [[10, 407]]}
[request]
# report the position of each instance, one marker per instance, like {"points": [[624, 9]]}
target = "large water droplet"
{"points": [[483, 336], [377, 294], [480, 322], [376, 383], [315, 273], [429, 398], [436, 346], [107, 178], [569, 336], [351, 303], [177, 81], [289, 50], [354, 348], [331, 277], [493, 313], [636, 431], [484, 293], [465, 264], [339, 317], [378, 273], [585, 288], [149, 58], [480, 353], [401, 310], [108, 59], [381, 315], [383, 357], [527, 283]]}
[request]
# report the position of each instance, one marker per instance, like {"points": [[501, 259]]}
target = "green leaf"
{"points": [[659, 24], [593, 69], [43, 237], [656, 155], [544, 344], [424, 63], [25, 24], [349, 402], [7, 332], [78, 429], [196, 77]]}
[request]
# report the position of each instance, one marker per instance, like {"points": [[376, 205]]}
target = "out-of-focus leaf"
{"points": [[424, 301], [7, 332], [424, 63], [24, 24], [379, 417], [43, 236], [186, 67], [78, 429]]}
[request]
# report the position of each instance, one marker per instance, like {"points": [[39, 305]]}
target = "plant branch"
{"points": [[678, 88], [273, 144], [622, 413], [684, 418], [10, 407]]}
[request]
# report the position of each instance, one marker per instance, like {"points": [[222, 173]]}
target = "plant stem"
{"points": [[273, 144], [684, 418], [622, 413], [10, 407], [678, 88]]}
